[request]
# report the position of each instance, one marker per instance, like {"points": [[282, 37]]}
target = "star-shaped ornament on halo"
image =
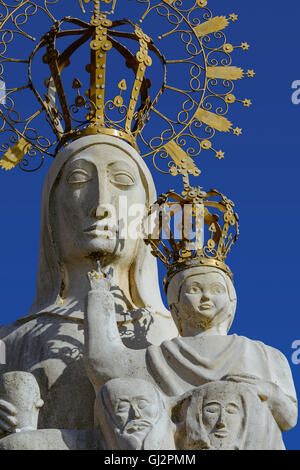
{"points": [[245, 46], [247, 103], [250, 73], [237, 131], [216, 71], [233, 17], [220, 154]]}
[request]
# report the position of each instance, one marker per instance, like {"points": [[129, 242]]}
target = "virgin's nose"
{"points": [[100, 211], [101, 199]]}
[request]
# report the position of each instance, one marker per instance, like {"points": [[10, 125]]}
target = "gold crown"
{"points": [[195, 229], [196, 77]]}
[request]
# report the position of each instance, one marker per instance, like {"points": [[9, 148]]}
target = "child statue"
{"points": [[202, 300]]}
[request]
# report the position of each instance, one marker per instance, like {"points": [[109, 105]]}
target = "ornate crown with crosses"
{"points": [[196, 228], [93, 74]]}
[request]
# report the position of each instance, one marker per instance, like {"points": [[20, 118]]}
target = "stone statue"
{"points": [[84, 178], [21, 391], [132, 415], [202, 301], [99, 362], [224, 415]]}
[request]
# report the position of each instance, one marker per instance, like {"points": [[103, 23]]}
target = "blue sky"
{"points": [[260, 173]]}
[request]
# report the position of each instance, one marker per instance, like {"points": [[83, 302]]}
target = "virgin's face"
{"points": [[92, 196], [204, 300]]}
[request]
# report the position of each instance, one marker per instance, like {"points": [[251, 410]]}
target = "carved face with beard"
{"points": [[131, 415]]}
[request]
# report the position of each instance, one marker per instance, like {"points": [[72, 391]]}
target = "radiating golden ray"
{"points": [[15, 154], [179, 156], [92, 111], [211, 26], [220, 123], [227, 72]]}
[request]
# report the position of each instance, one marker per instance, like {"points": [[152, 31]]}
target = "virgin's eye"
{"points": [[122, 178], [78, 176]]}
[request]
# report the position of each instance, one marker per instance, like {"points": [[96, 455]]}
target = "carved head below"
{"points": [[214, 416], [131, 415]]}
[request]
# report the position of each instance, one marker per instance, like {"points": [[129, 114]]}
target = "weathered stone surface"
{"points": [[99, 348], [20, 392], [49, 341], [132, 415], [203, 302], [224, 415]]}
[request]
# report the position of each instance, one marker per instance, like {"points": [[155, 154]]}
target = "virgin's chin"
{"points": [[103, 247], [99, 244]]}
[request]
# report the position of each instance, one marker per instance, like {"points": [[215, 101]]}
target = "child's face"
{"points": [[203, 298]]}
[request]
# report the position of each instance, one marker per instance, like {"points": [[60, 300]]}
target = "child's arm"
{"points": [[106, 357]]}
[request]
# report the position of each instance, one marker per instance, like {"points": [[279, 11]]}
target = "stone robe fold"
{"points": [[183, 363]]}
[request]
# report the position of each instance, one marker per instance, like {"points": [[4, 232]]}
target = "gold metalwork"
{"points": [[100, 45], [180, 158], [213, 25], [198, 79], [220, 123], [144, 61], [112, 132], [111, 2], [208, 227], [227, 73], [15, 154]]}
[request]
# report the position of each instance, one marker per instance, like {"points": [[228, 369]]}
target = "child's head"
{"points": [[201, 297]]}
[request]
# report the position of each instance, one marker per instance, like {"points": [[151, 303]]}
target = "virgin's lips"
{"points": [[102, 229]]}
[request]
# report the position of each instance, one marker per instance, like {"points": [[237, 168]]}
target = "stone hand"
{"points": [[8, 420], [100, 279], [263, 388]]}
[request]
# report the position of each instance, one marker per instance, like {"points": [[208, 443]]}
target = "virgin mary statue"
{"points": [[87, 179]]}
